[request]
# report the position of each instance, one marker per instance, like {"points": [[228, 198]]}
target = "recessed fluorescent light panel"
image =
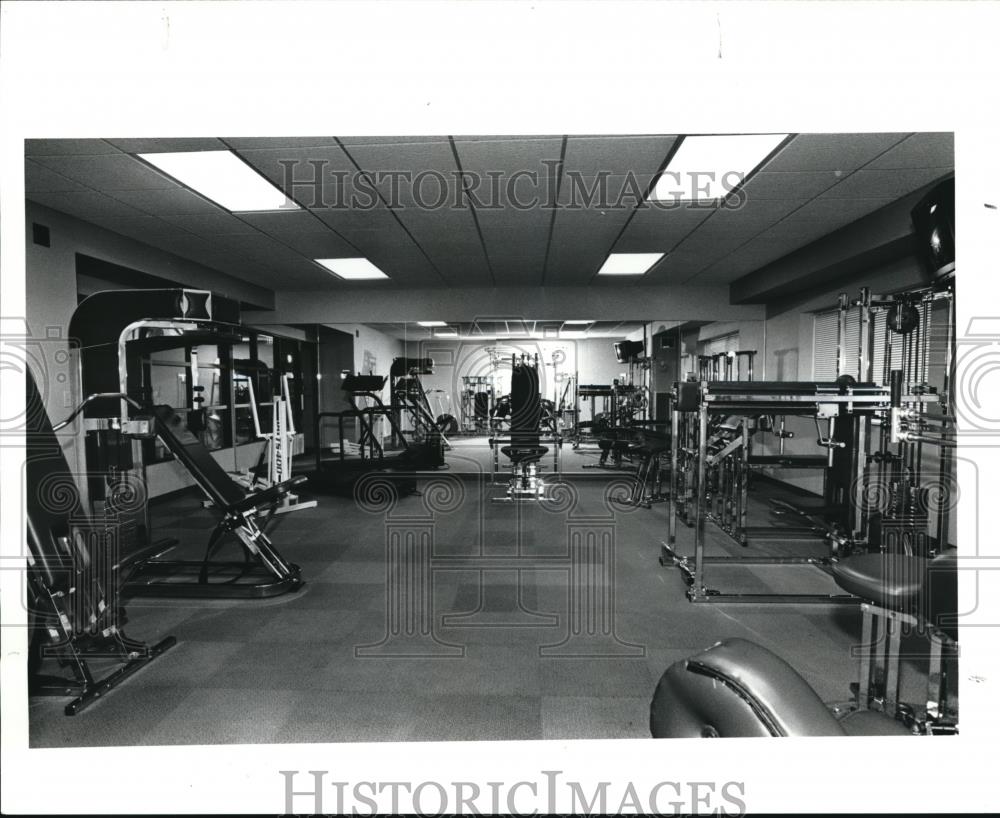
{"points": [[706, 168], [352, 269], [577, 323], [431, 324], [222, 177], [628, 264]]}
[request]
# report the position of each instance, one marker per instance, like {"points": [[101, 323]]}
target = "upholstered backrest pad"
{"points": [[737, 688], [525, 402], [53, 498], [196, 458], [889, 580]]}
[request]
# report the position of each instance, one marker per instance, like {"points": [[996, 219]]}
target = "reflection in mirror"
{"points": [[455, 378]]}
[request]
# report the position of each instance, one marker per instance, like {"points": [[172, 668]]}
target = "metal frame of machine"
{"points": [[523, 443], [902, 406], [111, 332]]}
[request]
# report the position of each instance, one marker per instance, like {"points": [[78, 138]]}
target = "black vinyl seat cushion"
{"points": [[888, 580], [737, 688], [524, 454]]}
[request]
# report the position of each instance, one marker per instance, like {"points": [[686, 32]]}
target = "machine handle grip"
{"points": [[90, 399]]}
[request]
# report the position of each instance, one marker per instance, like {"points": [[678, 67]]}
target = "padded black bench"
{"points": [[738, 688], [519, 453], [262, 573], [897, 590]]}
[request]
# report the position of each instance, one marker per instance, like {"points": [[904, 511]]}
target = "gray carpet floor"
{"points": [[499, 635]]}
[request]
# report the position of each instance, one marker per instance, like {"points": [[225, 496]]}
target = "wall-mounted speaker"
{"points": [[628, 351], [934, 222]]}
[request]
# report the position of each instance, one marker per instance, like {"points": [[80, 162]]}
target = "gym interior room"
{"points": [[450, 437]]}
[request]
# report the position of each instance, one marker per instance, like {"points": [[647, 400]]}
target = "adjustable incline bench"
{"points": [[262, 573], [72, 578]]}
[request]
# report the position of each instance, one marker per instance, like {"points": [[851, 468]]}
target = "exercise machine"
{"points": [[275, 463], [875, 434], [844, 406], [114, 335], [523, 446], [75, 611], [410, 406], [367, 412], [477, 400], [648, 448]]}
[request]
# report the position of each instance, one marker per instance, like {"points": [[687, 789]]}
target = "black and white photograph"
{"points": [[472, 418]]}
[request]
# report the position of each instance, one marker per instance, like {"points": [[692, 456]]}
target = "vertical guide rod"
{"points": [[699, 530]]}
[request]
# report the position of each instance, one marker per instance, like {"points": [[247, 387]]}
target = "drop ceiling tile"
{"points": [[656, 229], [753, 217], [39, 179], [733, 266], [506, 156], [319, 178], [617, 155], [87, 205], [844, 152], [880, 184], [143, 227], [67, 147], [255, 245], [712, 245], [391, 140], [615, 192], [439, 248], [187, 246], [410, 158], [515, 230], [836, 212], [575, 262], [109, 173], [406, 268], [240, 143], [212, 224], [175, 202], [790, 184], [680, 265], [744, 261], [599, 225], [921, 150], [318, 245], [365, 227], [429, 192], [796, 232], [168, 144], [464, 270], [763, 251], [278, 223]]}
